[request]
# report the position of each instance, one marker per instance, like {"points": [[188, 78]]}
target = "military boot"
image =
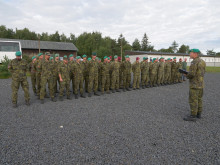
{"points": [[124, 90], [97, 94], [42, 101], [83, 95], [14, 105], [61, 98], [113, 91], [27, 102], [143, 87], [53, 99], [76, 96], [68, 97], [108, 92], [190, 118], [128, 89], [90, 95], [198, 115], [117, 90]]}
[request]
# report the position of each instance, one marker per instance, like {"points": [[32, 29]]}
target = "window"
{"points": [[9, 46]]}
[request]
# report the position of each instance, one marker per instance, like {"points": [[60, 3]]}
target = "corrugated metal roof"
{"points": [[45, 45]]}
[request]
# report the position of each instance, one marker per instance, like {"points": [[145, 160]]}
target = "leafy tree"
{"points": [[169, 50], [144, 43], [218, 54], [55, 37], [174, 46], [211, 52], [25, 34], [183, 49], [136, 45]]}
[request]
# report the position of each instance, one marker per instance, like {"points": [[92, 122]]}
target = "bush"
{"points": [[4, 65]]}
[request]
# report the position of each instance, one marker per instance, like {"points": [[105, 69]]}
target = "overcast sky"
{"points": [[192, 22]]}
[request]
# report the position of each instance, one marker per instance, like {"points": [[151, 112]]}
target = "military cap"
{"points": [[47, 53], [33, 57], [18, 53], [84, 56], [127, 56], [94, 53], [65, 57], [70, 55], [154, 59], [137, 58], [89, 59], [144, 58], [109, 58], [161, 58], [40, 54], [119, 58], [78, 57], [174, 57], [194, 50], [51, 58], [57, 55], [115, 56], [105, 57], [169, 59]]}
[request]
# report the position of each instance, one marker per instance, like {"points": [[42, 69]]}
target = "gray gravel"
{"points": [[137, 127]]}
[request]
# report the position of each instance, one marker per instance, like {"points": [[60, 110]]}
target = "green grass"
{"points": [[5, 75]]}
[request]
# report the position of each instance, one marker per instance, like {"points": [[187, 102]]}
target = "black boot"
{"points": [[27, 102], [117, 90], [53, 99], [76, 96], [198, 115], [68, 97], [90, 94], [83, 95], [128, 89], [14, 105], [124, 90], [61, 98], [143, 87], [113, 91], [97, 94], [190, 118], [42, 101]]}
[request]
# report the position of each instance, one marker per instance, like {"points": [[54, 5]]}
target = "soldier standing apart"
{"points": [[33, 74], [46, 67], [136, 68], [160, 73], [184, 66], [78, 77], [93, 75], [63, 71], [18, 68], [126, 69], [196, 84]]}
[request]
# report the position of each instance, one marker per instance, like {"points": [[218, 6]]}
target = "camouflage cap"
{"points": [[18, 53]]}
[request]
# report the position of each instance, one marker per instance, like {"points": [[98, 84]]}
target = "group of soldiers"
{"points": [[89, 75]]}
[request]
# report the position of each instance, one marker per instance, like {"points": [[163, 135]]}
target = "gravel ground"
{"points": [[137, 127]]}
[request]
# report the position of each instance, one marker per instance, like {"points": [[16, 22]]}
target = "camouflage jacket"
{"points": [[174, 66], [105, 68], [77, 70], [93, 67], [144, 67], [153, 68], [160, 67], [115, 66], [136, 67], [46, 68], [64, 70], [196, 73], [126, 67], [18, 69], [85, 67], [167, 67], [179, 65], [32, 68]]}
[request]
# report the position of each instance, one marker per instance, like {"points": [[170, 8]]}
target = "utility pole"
{"points": [[39, 42], [121, 48]]}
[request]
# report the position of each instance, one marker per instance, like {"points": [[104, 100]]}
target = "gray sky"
{"points": [[192, 22]]}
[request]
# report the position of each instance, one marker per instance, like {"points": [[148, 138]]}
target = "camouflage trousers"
{"points": [[195, 100], [136, 80], [167, 77], [86, 79], [73, 81], [33, 82], [179, 77], [38, 81], [173, 76], [160, 78], [120, 79], [15, 86], [153, 79], [93, 83], [78, 85], [44, 81], [105, 83], [65, 84], [144, 79], [99, 81], [126, 80], [115, 81]]}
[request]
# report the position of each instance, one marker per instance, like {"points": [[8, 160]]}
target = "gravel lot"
{"points": [[137, 127]]}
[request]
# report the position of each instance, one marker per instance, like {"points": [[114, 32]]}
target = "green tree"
{"points": [[218, 54], [144, 43], [136, 45], [174, 46], [55, 37], [44, 37], [169, 50], [183, 49], [25, 34], [6, 33], [211, 52]]}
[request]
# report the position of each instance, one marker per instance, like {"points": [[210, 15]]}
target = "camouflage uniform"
{"points": [[18, 69], [38, 75], [174, 70], [120, 76], [153, 73], [179, 75], [136, 68], [33, 76], [105, 77], [126, 68], [64, 70], [160, 73], [56, 75], [196, 80], [46, 67], [167, 73], [71, 65], [144, 73], [93, 76], [78, 78], [115, 75], [85, 74]]}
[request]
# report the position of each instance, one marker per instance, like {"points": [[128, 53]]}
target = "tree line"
{"points": [[94, 41]]}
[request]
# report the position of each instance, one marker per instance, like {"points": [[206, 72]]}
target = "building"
{"points": [[210, 60], [31, 47]]}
